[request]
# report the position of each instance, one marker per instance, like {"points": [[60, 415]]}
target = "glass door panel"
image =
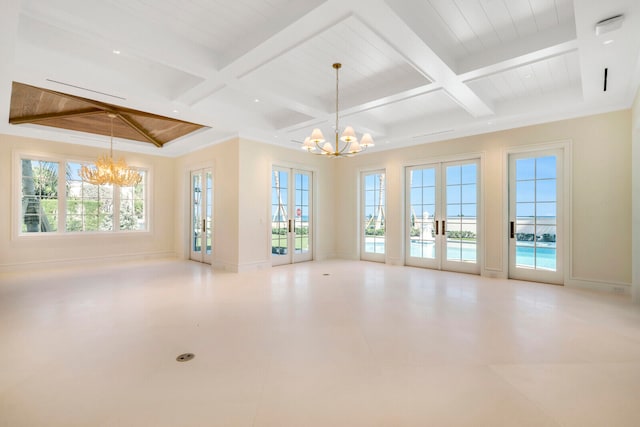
{"points": [[208, 234], [461, 222], [201, 236], [302, 219], [534, 220], [373, 222], [423, 250], [280, 217]]}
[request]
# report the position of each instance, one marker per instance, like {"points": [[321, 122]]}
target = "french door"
{"points": [[373, 222], [442, 216], [201, 235], [291, 216], [535, 216]]}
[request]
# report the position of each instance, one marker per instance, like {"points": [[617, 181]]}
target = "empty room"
{"points": [[320, 213]]}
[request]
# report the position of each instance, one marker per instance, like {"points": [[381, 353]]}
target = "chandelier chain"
{"points": [[337, 103], [316, 144], [106, 171]]}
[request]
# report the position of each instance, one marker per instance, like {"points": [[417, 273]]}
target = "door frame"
{"points": [[565, 146], [293, 168], [439, 163], [205, 258], [185, 203]]}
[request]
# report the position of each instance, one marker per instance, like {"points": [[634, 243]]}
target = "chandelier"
{"points": [[345, 146], [107, 171]]}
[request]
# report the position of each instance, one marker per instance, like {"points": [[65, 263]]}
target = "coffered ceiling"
{"points": [[414, 71]]}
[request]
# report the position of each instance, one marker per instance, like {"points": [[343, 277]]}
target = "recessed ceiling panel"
{"points": [[283, 118], [63, 47], [44, 107], [549, 75], [464, 27], [279, 116], [371, 69], [421, 106], [227, 27]]}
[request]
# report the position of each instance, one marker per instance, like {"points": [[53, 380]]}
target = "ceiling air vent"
{"points": [[88, 90], [609, 24], [424, 135]]}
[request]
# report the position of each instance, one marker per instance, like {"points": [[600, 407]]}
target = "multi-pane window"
{"points": [[39, 183], [132, 206], [89, 207], [75, 205]]}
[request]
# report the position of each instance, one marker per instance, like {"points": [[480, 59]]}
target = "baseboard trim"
{"points": [[347, 256], [241, 268], [75, 262], [599, 285], [253, 266]]}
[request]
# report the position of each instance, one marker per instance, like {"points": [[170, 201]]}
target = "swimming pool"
{"points": [[526, 256]]}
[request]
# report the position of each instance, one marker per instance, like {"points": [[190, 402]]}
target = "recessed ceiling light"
{"points": [[489, 123], [116, 51], [176, 111], [256, 100], [607, 41]]}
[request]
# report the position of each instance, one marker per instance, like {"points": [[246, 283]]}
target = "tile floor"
{"points": [[367, 345]]}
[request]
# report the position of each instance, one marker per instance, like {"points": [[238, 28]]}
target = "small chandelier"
{"points": [[349, 145], [107, 171]]}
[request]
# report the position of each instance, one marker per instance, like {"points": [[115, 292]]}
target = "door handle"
{"points": [[437, 229], [512, 230], [204, 225], [289, 226], [443, 227]]}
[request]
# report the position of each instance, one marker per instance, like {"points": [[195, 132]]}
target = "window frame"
{"points": [[62, 161]]}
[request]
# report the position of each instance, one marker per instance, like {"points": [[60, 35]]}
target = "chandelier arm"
{"points": [[111, 139], [346, 146]]}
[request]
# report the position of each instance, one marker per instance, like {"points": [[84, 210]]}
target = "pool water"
{"points": [[526, 256]]}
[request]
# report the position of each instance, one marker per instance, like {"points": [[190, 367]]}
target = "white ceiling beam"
{"points": [[390, 27], [536, 47], [529, 58], [413, 14], [396, 97], [293, 11], [311, 24]]}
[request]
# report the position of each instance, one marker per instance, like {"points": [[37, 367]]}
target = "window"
{"points": [[73, 205], [39, 196]]}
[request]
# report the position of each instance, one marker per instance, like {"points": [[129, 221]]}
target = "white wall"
{"points": [[601, 189], [256, 162], [601, 178], [242, 198], [223, 159], [43, 250], [635, 196]]}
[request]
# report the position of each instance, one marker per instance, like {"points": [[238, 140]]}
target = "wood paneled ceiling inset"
{"points": [[30, 104]]}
